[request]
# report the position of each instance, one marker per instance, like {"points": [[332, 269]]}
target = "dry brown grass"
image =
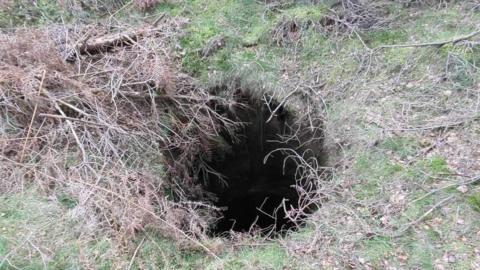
{"points": [[95, 127]]}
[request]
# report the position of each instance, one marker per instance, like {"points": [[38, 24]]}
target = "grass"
{"points": [[35, 232], [401, 146], [474, 201], [25, 221], [389, 165], [20, 13]]}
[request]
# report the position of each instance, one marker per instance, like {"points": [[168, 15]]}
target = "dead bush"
{"points": [[95, 129]]}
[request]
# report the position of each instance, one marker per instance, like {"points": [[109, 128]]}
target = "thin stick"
{"points": [[120, 9], [436, 44], [446, 125], [281, 104], [41, 254], [135, 254], [72, 128], [410, 224], [33, 117], [465, 183], [56, 116]]}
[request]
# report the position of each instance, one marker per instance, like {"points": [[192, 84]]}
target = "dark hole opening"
{"points": [[252, 190]]}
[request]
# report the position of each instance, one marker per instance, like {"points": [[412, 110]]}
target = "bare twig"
{"points": [[33, 117], [135, 254], [416, 221], [435, 44], [281, 104], [471, 181]]}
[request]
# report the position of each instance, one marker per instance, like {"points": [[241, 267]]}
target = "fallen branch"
{"points": [[437, 44], [107, 42]]}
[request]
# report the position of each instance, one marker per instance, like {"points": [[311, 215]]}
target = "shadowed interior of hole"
{"points": [[252, 191]]}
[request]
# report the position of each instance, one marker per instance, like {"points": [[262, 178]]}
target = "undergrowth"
{"points": [[401, 123]]}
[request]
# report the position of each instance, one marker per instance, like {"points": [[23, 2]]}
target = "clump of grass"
{"points": [[474, 201], [19, 13], [402, 146], [377, 249]]}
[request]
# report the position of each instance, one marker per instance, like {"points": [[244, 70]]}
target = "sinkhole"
{"points": [[253, 190]]}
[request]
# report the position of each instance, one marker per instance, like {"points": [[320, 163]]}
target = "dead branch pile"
{"points": [[342, 18], [95, 127], [356, 15]]}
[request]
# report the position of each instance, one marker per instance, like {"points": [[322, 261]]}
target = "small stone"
{"points": [[463, 189], [409, 85], [451, 259], [384, 220]]}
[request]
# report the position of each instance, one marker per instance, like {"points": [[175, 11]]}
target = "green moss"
{"points": [[416, 209], [461, 68], [193, 43], [65, 258], [26, 216]]}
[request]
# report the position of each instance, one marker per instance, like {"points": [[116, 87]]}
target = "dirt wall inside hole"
{"points": [[247, 186]]}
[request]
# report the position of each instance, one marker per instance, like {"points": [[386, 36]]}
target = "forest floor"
{"points": [[399, 84]]}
